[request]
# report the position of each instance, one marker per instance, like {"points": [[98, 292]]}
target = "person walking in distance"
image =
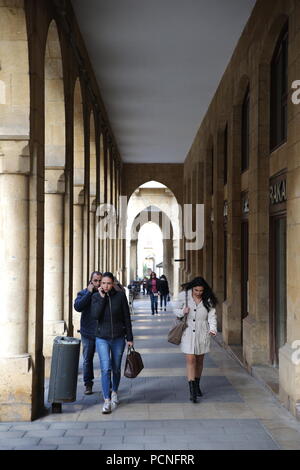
{"points": [[164, 291], [111, 311], [153, 287], [201, 325], [87, 329]]}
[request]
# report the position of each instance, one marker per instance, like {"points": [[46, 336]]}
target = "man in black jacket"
{"points": [[87, 329], [110, 309]]}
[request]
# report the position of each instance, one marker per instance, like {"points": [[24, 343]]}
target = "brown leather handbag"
{"points": [[176, 332], [133, 364]]}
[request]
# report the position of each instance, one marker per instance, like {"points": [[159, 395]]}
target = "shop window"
{"points": [[245, 137], [279, 91], [225, 154]]}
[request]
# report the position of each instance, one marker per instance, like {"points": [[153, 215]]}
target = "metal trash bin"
{"points": [[64, 371]]}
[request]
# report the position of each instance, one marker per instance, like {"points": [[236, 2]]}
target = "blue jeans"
{"points": [[163, 297], [154, 302], [88, 351], [110, 353]]}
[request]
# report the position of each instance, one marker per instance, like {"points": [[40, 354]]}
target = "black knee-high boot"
{"points": [[193, 391], [199, 393]]}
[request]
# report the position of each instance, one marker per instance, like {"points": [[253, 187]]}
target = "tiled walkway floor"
{"points": [[236, 412]]}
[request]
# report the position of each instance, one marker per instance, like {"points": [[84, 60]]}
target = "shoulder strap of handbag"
{"points": [[186, 298]]}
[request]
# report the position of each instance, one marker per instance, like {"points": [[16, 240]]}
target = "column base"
{"points": [[289, 379], [16, 388], [255, 342], [231, 326]]}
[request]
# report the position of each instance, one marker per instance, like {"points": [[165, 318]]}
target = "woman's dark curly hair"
{"points": [[208, 297]]}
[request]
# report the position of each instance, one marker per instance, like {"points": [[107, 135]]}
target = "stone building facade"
{"points": [[59, 160], [244, 166]]}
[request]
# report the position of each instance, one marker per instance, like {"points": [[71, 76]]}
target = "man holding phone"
{"points": [[87, 329]]}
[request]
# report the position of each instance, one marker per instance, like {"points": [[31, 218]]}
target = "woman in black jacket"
{"points": [[110, 308], [164, 290]]}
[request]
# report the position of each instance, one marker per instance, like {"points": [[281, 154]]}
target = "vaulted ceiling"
{"points": [[158, 64]]}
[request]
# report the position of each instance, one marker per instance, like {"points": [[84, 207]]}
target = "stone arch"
{"points": [[171, 211], [170, 245], [272, 37], [55, 141], [171, 175]]}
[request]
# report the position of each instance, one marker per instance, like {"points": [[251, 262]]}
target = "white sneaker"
{"points": [[106, 407], [114, 399]]}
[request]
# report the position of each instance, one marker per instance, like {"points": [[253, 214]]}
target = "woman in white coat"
{"points": [[201, 325]]}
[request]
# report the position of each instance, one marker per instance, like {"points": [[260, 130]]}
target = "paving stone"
{"points": [[5, 427], [60, 440], [125, 432], [29, 427], [66, 426], [36, 447], [12, 434], [129, 446], [46, 433], [107, 424], [145, 439], [80, 447], [85, 433], [18, 442], [115, 440]]}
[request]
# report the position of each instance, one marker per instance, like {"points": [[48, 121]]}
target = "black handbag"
{"points": [[133, 364]]}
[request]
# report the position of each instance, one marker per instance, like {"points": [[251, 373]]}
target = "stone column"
{"points": [[15, 362], [133, 260], [93, 264], [54, 324], [167, 262], [78, 281]]}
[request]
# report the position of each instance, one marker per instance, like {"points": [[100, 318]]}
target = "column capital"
{"points": [[14, 156], [55, 180], [78, 195]]}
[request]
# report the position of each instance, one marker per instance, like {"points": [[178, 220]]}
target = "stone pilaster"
{"points": [[256, 324], [231, 319], [289, 354]]}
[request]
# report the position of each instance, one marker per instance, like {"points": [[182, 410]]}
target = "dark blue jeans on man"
{"points": [[154, 302], [88, 351], [110, 353]]}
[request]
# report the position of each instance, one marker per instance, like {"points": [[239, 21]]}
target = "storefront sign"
{"points": [[278, 192]]}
